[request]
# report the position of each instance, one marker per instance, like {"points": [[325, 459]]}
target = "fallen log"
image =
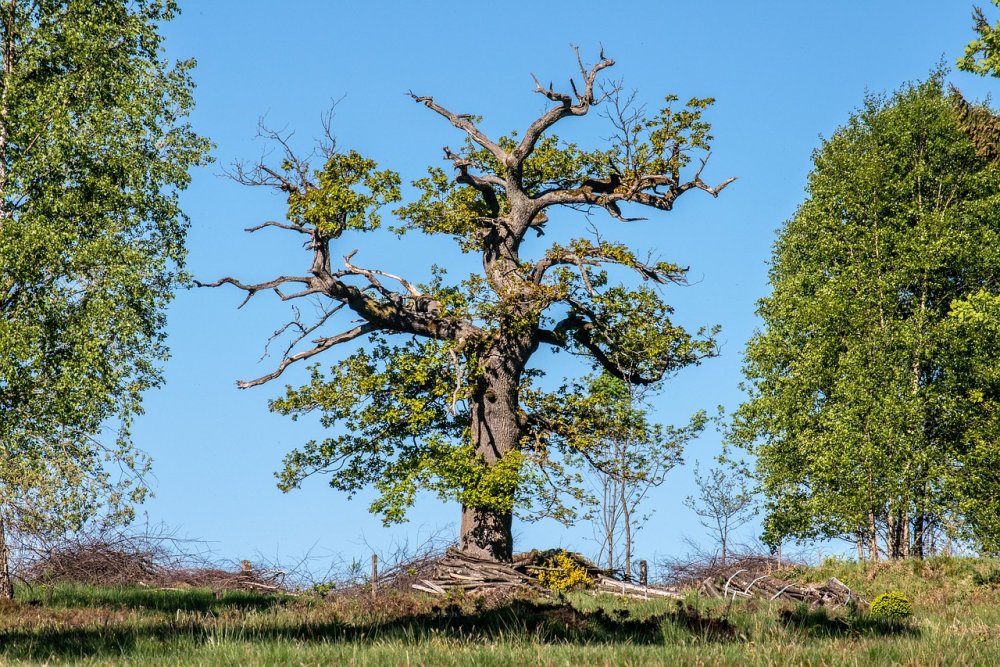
{"points": [[605, 584]]}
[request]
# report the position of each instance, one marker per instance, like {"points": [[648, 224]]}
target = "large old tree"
{"points": [[439, 398]]}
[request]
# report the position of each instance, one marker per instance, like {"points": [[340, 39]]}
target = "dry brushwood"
{"points": [[98, 562], [460, 571], [136, 560], [218, 579], [689, 571], [745, 583]]}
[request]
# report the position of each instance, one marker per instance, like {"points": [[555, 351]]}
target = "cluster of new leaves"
{"points": [[93, 148], [646, 156], [855, 411], [345, 194], [661, 145], [631, 334], [982, 55]]}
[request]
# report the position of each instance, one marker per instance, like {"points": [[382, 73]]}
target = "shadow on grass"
{"points": [[517, 620], [192, 599], [820, 623]]}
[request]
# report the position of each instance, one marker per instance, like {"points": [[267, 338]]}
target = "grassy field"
{"points": [[956, 622]]}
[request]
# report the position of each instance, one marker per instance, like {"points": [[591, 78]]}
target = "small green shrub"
{"points": [[892, 606], [323, 589], [990, 577]]}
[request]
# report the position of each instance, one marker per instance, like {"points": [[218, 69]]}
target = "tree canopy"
{"points": [[93, 151], [435, 397], [862, 412], [982, 54]]}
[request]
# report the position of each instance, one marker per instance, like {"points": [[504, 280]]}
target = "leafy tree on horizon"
{"points": [[861, 406], [434, 397], [93, 151], [982, 54]]}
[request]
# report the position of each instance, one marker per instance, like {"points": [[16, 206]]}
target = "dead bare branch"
{"points": [[463, 122], [322, 344]]}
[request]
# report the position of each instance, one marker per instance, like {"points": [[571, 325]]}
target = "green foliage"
{"points": [[562, 573], [975, 321], [892, 606], [95, 148], [988, 577], [400, 434], [350, 191], [864, 406], [663, 144], [981, 124], [323, 589], [588, 437], [982, 55]]}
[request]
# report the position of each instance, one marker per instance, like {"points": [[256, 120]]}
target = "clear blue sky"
{"points": [[783, 72]]}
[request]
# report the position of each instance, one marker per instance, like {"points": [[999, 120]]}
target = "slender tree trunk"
{"points": [[904, 539], [609, 518], [627, 519], [611, 548], [6, 582], [892, 536], [623, 472], [873, 536], [7, 17], [723, 538], [919, 516]]}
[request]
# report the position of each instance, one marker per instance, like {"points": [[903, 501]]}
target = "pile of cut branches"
{"points": [[246, 578], [460, 571], [691, 570], [745, 583], [122, 559], [115, 561]]}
